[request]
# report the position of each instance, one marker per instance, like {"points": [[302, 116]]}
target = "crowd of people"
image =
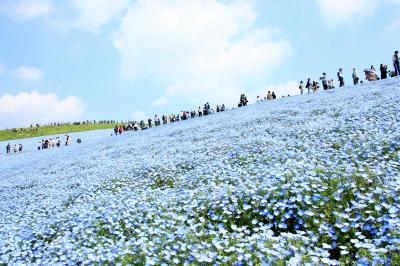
{"points": [[311, 87], [44, 144], [15, 148], [165, 119], [370, 75], [56, 142]]}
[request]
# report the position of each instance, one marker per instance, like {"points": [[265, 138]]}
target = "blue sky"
{"points": [[71, 60]]}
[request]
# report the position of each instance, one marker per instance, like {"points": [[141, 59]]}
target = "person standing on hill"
{"points": [[396, 63], [355, 76], [315, 87], [301, 88], [269, 96], [324, 80], [340, 76], [273, 95], [308, 85], [384, 71]]}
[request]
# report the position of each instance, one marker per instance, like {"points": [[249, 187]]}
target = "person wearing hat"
{"points": [[340, 76], [396, 63]]}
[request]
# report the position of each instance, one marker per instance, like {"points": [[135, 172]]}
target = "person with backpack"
{"points": [[355, 76], [324, 81], [340, 77], [396, 63]]}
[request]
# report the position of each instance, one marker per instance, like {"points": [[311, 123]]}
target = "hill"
{"points": [[310, 179], [22, 133]]}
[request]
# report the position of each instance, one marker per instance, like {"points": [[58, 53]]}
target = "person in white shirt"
{"points": [[301, 87], [324, 80]]}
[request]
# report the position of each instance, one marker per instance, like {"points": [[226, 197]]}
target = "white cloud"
{"points": [[345, 12], [26, 108], [161, 102], [94, 14], [198, 49], [27, 9], [29, 73], [139, 115], [337, 12], [394, 26]]}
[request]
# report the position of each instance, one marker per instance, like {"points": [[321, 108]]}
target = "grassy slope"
{"points": [[50, 130]]}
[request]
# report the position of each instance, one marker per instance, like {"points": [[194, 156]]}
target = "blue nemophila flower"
{"points": [[231, 189]]}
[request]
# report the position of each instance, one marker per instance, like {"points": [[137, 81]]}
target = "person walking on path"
{"points": [[8, 148], [396, 63], [20, 148], [340, 76], [355, 76], [15, 148]]}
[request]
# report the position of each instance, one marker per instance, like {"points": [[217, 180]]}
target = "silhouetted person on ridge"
{"points": [[384, 72], [301, 88], [308, 85], [355, 76], [324, 80], [341, 78], [269, 96], [396, 63]]}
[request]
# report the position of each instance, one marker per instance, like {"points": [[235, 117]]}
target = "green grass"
{"points": [[51, 130]]}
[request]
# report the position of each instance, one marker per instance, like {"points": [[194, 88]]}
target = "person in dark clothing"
{"points": [[116, 130], [8, 148], [396, 63], [142, 125], [149, 122], [324, 80], [273, 95], [308, 85], [20, 148], [341, 78], [243, 100], [384, 71]]}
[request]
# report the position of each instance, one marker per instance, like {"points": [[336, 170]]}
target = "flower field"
{"points": [[305, 180]]}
